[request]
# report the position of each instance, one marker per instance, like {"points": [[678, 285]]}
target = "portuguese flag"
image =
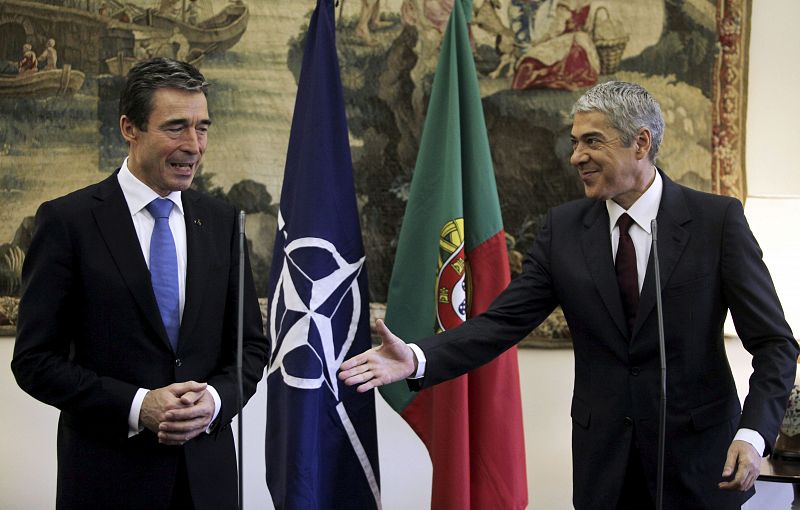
{"points": [[450, 264]]}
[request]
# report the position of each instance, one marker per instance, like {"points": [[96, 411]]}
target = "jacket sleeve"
{"points": [[42, 363], [758, 317]]}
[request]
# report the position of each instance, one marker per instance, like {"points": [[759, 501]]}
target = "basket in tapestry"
{"points": [[610, 39]]}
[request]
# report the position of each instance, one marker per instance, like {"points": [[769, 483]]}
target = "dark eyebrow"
{"points": [[183, 122], [584, 136]]}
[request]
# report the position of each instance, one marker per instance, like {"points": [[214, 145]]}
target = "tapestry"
{"points": [[62, 66]]}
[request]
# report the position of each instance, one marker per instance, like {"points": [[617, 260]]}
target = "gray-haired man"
{"points": [[602, 277]]}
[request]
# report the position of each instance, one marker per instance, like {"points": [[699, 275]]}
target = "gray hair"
{"points": [[628, 108], [146, 77]]}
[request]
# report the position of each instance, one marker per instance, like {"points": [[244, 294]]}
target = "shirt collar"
{"points": [[643, 210], [138, 194]]}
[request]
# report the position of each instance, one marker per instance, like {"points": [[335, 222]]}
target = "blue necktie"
{"points": [[164, 269]]}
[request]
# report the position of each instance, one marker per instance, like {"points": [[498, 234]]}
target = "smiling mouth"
{"points": [[588, 174], [182, 167]]}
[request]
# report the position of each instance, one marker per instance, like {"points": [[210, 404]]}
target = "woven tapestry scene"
{"points": [[63, 64]]}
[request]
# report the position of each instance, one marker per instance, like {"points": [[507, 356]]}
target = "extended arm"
{"points": [[525, 303]]}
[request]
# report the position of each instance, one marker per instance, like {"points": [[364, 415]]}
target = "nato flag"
{"points": [[321, 443]]}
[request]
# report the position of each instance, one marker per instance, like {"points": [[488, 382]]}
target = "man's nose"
{"points": [[578, 155], [191, 141]]}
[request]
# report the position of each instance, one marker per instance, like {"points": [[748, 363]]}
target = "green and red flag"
{"points": [[451, 262]]}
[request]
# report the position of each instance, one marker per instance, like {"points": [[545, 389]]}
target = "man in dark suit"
{"points": [[709, 263], [141, 360]]}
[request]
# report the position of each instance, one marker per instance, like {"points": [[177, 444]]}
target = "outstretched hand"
{"points": [[391, 361]]}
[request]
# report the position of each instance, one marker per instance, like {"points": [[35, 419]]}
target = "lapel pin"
{"points": [[198, 222]]}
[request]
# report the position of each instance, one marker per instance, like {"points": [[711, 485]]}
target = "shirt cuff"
{"points": [[752, 437], [217, 407], [420, 361], [136, 409]]}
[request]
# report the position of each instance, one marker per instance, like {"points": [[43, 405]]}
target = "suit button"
{"points": [[628, 421], [178, 362], [635, 371]]}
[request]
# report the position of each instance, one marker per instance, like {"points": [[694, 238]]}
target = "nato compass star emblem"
{"points": [[314, 313]]}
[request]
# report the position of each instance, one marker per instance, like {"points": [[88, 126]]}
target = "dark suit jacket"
{"points": [[90, 334], [710, 263]]}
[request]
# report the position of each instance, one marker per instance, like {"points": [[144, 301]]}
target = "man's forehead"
{"points": [[168, 95], [586, 123], [172, 105]]}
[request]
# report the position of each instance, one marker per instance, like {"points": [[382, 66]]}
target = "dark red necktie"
{"points": [[627, 275]]}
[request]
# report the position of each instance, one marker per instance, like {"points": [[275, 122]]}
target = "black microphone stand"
{"points": [[239, 337], [662, 415]]}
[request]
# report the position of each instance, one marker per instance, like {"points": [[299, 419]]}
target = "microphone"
{"points": [[662, 414], [239, 380]]}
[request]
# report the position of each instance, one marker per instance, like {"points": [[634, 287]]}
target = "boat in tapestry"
{"points": [[216, 34], [42, 84]]}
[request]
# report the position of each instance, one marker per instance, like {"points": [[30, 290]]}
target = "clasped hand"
{"points": [[178, 412]]}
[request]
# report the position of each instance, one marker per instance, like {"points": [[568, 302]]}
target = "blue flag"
{"points": [[321, 442]]}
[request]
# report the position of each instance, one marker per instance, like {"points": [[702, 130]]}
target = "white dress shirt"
{"points": [[137, 195]]}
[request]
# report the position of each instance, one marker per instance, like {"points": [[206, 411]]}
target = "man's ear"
{"points": [[643, 142], [128, 129]]}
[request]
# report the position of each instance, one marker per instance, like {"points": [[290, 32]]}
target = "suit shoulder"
{"points": [[76, 200], [579, 205], [704, 201], [574, 210], [209, 201]]}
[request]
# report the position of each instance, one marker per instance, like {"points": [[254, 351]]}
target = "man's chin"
{"points": [[181, 184], [590, 192]]}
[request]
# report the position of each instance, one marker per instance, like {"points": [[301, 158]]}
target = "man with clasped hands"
{"points": [[127, 321]]}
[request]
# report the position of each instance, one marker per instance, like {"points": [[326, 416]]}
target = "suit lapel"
{"points": [[596, 245], [672, 240], [116, 227], [199, 253]]}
